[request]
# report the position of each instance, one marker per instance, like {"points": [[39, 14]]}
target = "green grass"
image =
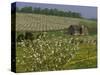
{"points": [[38, 22], [85, 58], [53, 53]]}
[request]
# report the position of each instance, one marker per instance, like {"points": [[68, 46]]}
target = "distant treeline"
{"points": [[48, 11]]}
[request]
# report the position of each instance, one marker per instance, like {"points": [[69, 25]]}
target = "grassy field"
{"points": [[54, 50], [37, 22]]}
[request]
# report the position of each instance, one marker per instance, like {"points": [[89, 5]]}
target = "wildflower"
{"points": [[52, 52]]}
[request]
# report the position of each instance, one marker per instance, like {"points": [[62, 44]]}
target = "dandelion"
{"points": [[31, 56], [23, 62], [18, 60], [40, 62], [44, 57], [34, 55], [24, 56], [59, 59], [52, 52]]}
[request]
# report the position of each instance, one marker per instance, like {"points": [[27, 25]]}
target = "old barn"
{"points": [[78, 30]]}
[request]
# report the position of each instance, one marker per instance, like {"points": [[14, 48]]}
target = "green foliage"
{"points": [[37, 22], [92, 26], [26, 9], [51, 48], [55, 52], [48, 11]]}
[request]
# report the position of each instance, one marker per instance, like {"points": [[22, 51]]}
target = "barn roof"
{"points": [[75, 27]]}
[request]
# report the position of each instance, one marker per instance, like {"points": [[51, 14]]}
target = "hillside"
{"points": [[37, 22], [53, 50]]}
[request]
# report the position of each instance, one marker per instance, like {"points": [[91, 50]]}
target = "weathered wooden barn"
{"points": [[78, 30]]}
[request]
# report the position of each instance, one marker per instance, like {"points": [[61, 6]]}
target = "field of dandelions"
{"points": [[52, 51]]}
